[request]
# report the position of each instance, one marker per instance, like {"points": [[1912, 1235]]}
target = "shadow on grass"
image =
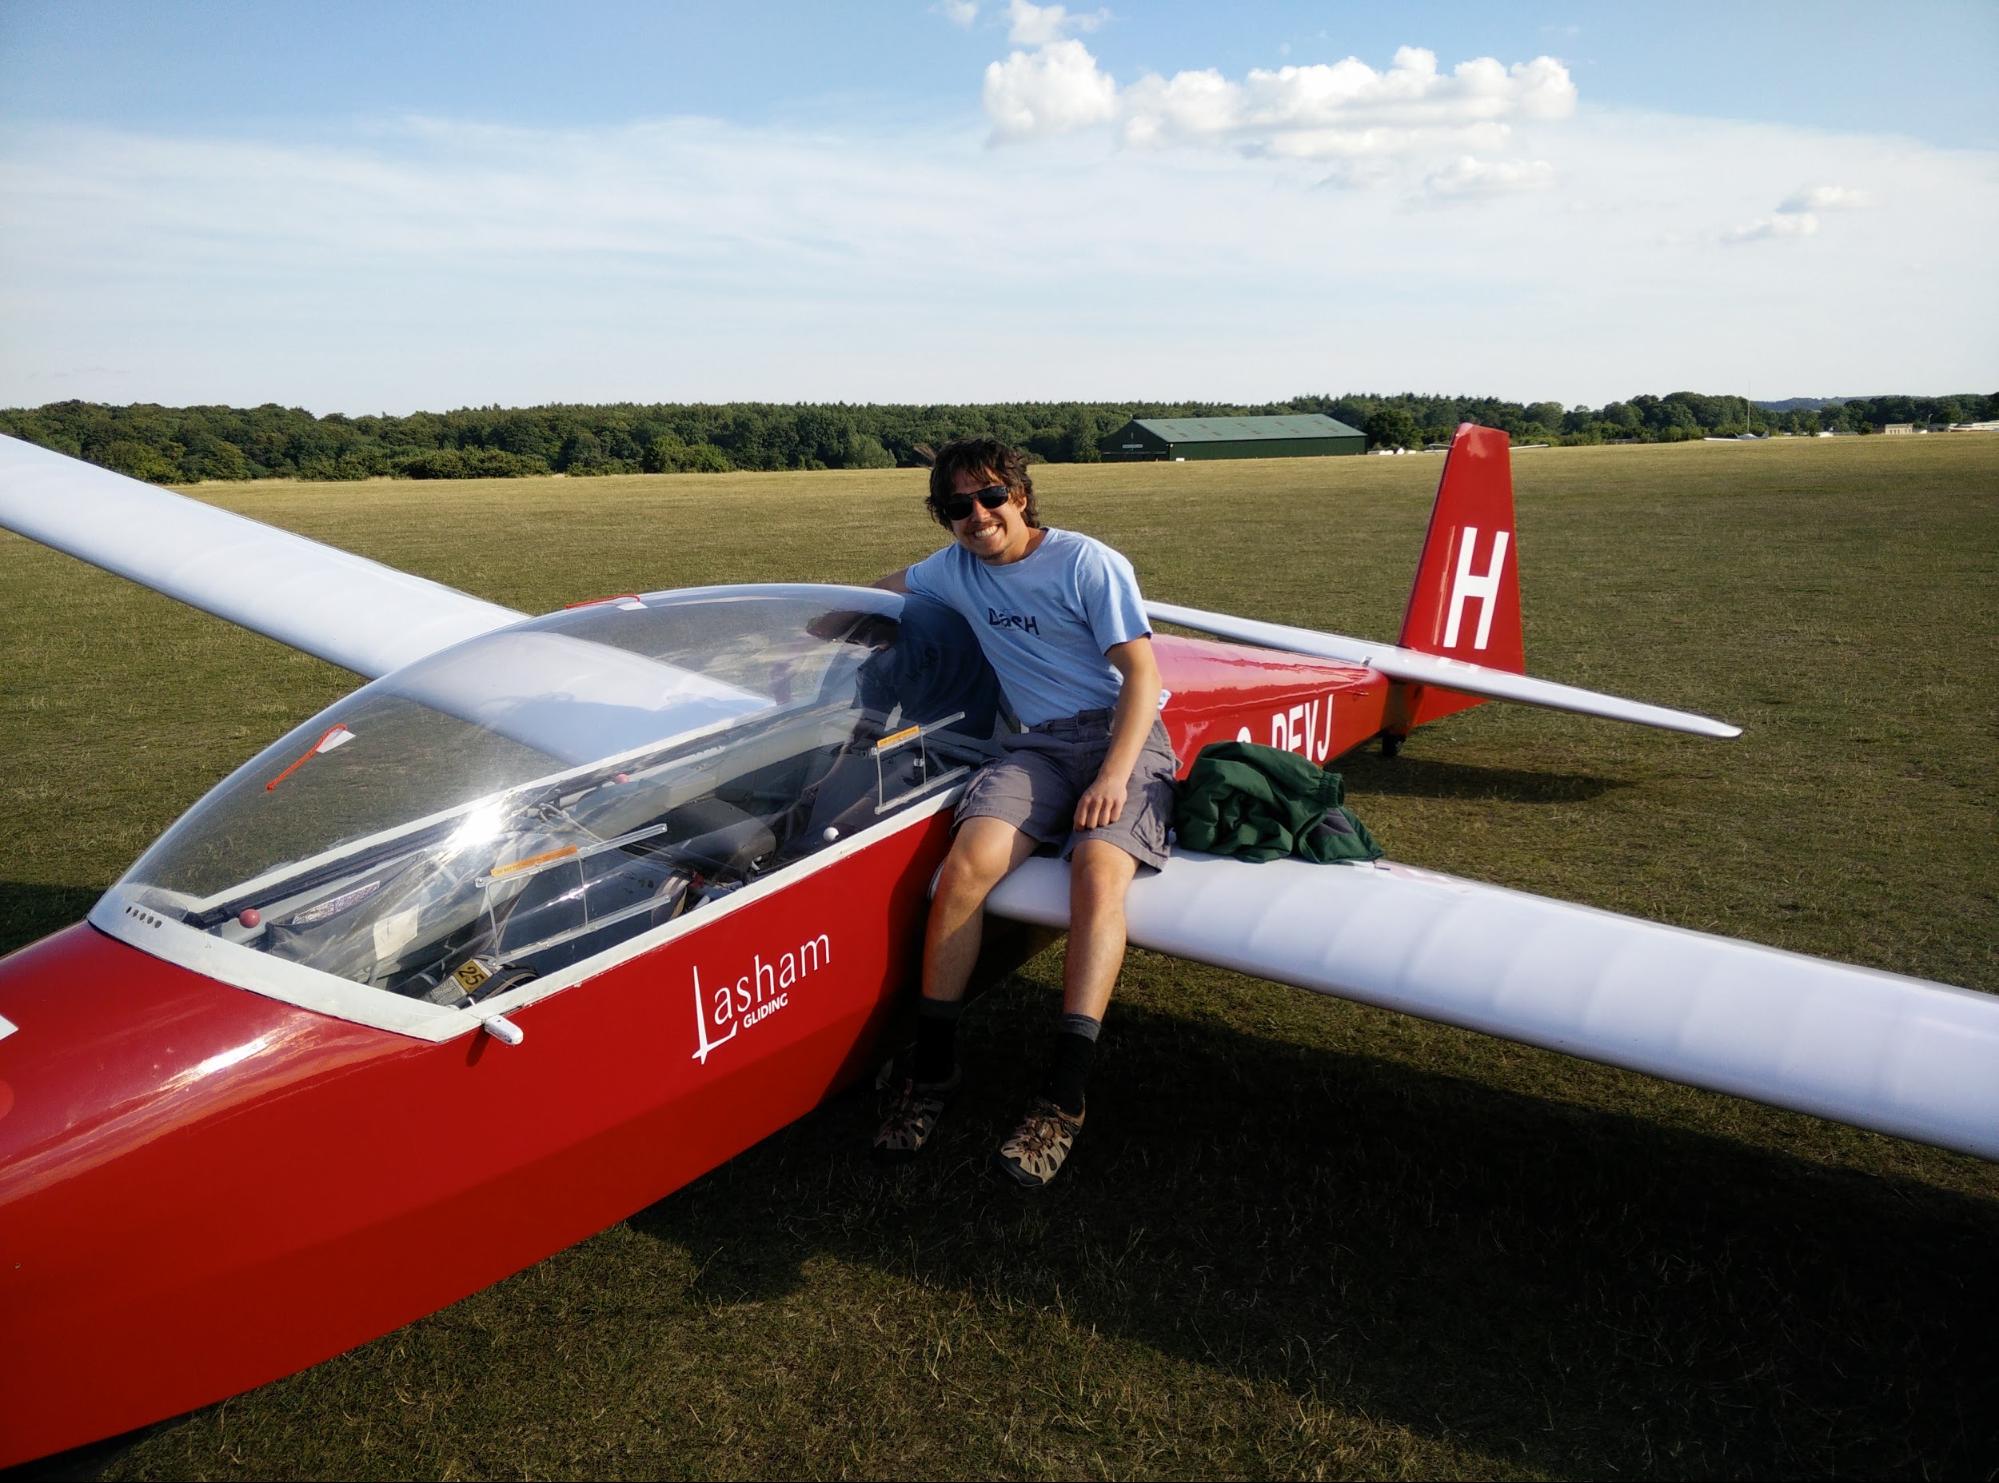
{"points": [[30, 913], [1567, 1290], [1415, 777], [86, 1463]]}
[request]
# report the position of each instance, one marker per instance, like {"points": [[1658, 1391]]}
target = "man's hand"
{"points": [[851, 626], [1102, 802], [1131, 720]]}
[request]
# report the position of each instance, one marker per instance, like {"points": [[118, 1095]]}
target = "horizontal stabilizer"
{"points": [[1410, 667], [1899, 1055], [336, 606]]}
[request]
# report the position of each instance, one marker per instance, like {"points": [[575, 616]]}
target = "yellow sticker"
{"points": [[901, 736], [532, 860], [471, 973]]}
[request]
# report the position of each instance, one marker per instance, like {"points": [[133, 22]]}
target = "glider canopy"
{"points": [[536, 795]]}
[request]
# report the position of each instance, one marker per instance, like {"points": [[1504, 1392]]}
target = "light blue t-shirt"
{"points": [[1044, 621]]}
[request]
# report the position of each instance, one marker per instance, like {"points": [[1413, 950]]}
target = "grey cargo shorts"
{"points": [[1042, 771]]}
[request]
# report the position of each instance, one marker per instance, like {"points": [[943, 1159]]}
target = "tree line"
{"points": [[176, 445]]}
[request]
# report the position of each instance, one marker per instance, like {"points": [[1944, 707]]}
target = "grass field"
{"points": [[1300, 1237]]}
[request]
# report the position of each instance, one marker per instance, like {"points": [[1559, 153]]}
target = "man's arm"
{"points": [[840, 623], [1137, 707]]}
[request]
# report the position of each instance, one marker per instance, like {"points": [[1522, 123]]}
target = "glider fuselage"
{"points": [[203, 1188]]}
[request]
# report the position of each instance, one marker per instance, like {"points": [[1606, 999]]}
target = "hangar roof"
{"points": [[1245, 429]]}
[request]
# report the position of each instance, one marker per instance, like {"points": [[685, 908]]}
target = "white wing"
{"points": [[343, 608], [1414, 667], [1899, 1055], [572, 699]]}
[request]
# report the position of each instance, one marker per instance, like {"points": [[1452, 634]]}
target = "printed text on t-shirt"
{"points": [[1025, 623]]}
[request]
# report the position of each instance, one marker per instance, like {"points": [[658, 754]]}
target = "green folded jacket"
{"points": [[1258, 803]]}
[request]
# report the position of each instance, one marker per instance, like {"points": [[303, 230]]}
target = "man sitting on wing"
{"points": [[1059, 617]]}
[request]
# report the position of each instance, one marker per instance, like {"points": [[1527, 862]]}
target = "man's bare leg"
{"points": [[1099, 876], [984, 851]]}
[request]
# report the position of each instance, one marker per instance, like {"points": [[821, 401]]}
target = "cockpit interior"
{"points": [[531, 798]]}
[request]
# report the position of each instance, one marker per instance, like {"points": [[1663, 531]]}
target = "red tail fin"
{"points": [[1466, 600]]}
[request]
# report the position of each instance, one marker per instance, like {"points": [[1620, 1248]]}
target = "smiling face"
{"points": [[994, 536]]}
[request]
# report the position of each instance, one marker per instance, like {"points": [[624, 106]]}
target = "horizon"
{"points": [[1767, 404]]}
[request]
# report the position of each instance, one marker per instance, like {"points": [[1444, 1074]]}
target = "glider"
{"points": [[557, 913]]}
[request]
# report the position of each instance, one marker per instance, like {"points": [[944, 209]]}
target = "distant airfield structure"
{"points": [[1306, 435]]}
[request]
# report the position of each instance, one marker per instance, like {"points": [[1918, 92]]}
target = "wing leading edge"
{"points": [[1878, 1050], [346, 609]]}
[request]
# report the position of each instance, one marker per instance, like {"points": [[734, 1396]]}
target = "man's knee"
{"points": [[1099, 875], [983, 852]]}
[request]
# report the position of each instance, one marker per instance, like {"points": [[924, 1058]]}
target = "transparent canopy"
{"points": [[533, 797]]}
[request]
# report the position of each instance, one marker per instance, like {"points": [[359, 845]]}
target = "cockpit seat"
{"points": [[709, 836], [718, 839]]}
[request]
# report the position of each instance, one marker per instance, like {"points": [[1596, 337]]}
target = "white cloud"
{"points": [[1194, 104], [1797, 214], [1337, 112], [1052, 90], [1038, 25], [958, 12], [1287, 108], [1824, 198], [1774, 228], [1470, 176]]}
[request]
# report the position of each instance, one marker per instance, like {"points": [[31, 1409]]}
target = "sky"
{"points": [[390, 207]]}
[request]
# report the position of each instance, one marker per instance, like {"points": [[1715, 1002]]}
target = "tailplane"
{"points": [[1460, 642]]}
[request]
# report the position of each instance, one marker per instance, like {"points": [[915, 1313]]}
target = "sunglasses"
{"points": [[956, 507]]}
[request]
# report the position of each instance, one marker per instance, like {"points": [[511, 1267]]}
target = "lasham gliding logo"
{"points": [[728, 1008]]}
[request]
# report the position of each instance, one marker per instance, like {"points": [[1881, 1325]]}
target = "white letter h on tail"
{"points": [[1484, 587]]}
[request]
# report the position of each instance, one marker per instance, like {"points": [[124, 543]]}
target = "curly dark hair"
{"points": [[980, 457]]}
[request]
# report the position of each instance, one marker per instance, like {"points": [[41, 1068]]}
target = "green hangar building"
{"points": [[1305, 435]]}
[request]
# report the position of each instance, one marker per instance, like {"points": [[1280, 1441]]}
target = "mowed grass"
{"points": [[1299, 1237]]}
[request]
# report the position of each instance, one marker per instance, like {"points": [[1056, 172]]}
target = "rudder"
{"points": [[1466, 599], [1465, 603]]}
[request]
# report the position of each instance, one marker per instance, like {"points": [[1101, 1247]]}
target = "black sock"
{"points": [[936, 1039], [1075, 1048]]}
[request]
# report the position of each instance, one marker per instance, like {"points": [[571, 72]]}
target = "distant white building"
{"points": [[1975, 427], [1892, 428]]}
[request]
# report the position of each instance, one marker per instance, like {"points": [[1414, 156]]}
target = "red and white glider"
{"points": [[556, 914]]}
